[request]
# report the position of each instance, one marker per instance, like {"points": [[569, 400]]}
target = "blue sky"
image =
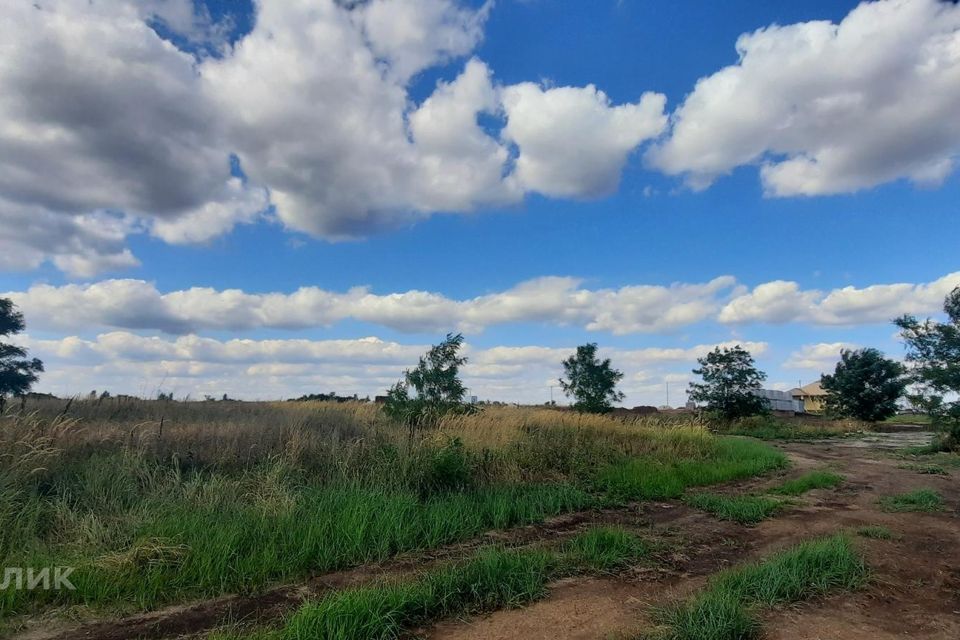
{"points": [[823, 171]]}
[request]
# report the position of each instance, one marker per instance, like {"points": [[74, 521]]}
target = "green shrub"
{"points": [[447, 469]]}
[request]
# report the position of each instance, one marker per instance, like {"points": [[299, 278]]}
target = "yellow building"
{"points": [[813, 396]]}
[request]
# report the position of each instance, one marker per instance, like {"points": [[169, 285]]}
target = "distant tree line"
{"points": [[328, 397]]}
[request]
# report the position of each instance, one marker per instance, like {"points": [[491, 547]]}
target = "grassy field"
{"points": [[157, 502]]}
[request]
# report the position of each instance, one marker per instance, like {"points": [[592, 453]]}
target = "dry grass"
{"points": [[128, 491], [239, 434]]}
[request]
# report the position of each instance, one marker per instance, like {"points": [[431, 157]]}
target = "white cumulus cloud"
{"points": [[820, 357], [783, 301], [101, 116], [550, 300], [137, 304], [572, 141], [829, 108]]}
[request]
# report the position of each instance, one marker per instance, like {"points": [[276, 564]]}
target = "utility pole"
{"points": [[551, 394], [668, 393]]}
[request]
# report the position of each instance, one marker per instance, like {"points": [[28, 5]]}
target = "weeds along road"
{"points": [[913, 587]]}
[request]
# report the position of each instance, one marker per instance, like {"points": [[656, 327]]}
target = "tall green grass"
{"points": [[726, 609], [492, 580], [606, 549], [646, 479], [184, 550], [146, 521]]}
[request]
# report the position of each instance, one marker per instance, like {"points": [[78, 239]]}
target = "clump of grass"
{"points": [[714, 615], [808, 482], [745, 509], [927, 469], [606, 548], [875, 532], [922, 500], [494, 579], [726, 609]]}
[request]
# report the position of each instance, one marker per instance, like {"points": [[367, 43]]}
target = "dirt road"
{"points": [[914, 590]]}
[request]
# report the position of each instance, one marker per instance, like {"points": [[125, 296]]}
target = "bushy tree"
{"points": [[933, 351], [729, 381], [591, 382], [436, 384], [17, 372], [864, 385]]}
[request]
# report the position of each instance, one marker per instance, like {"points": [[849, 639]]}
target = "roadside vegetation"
{"points": [[606, 549], [820, 479], [751, 509], [155, 502], [727, 608], [769, 427], [494, 578], [925, 469], [876, 532], [745, 509], [921, 500]]}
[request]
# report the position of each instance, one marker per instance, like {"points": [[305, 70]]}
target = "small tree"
{"points": [[729, 382], [590, 381], [17, 373], [933, 350], [436, 381], [864, 385]]}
